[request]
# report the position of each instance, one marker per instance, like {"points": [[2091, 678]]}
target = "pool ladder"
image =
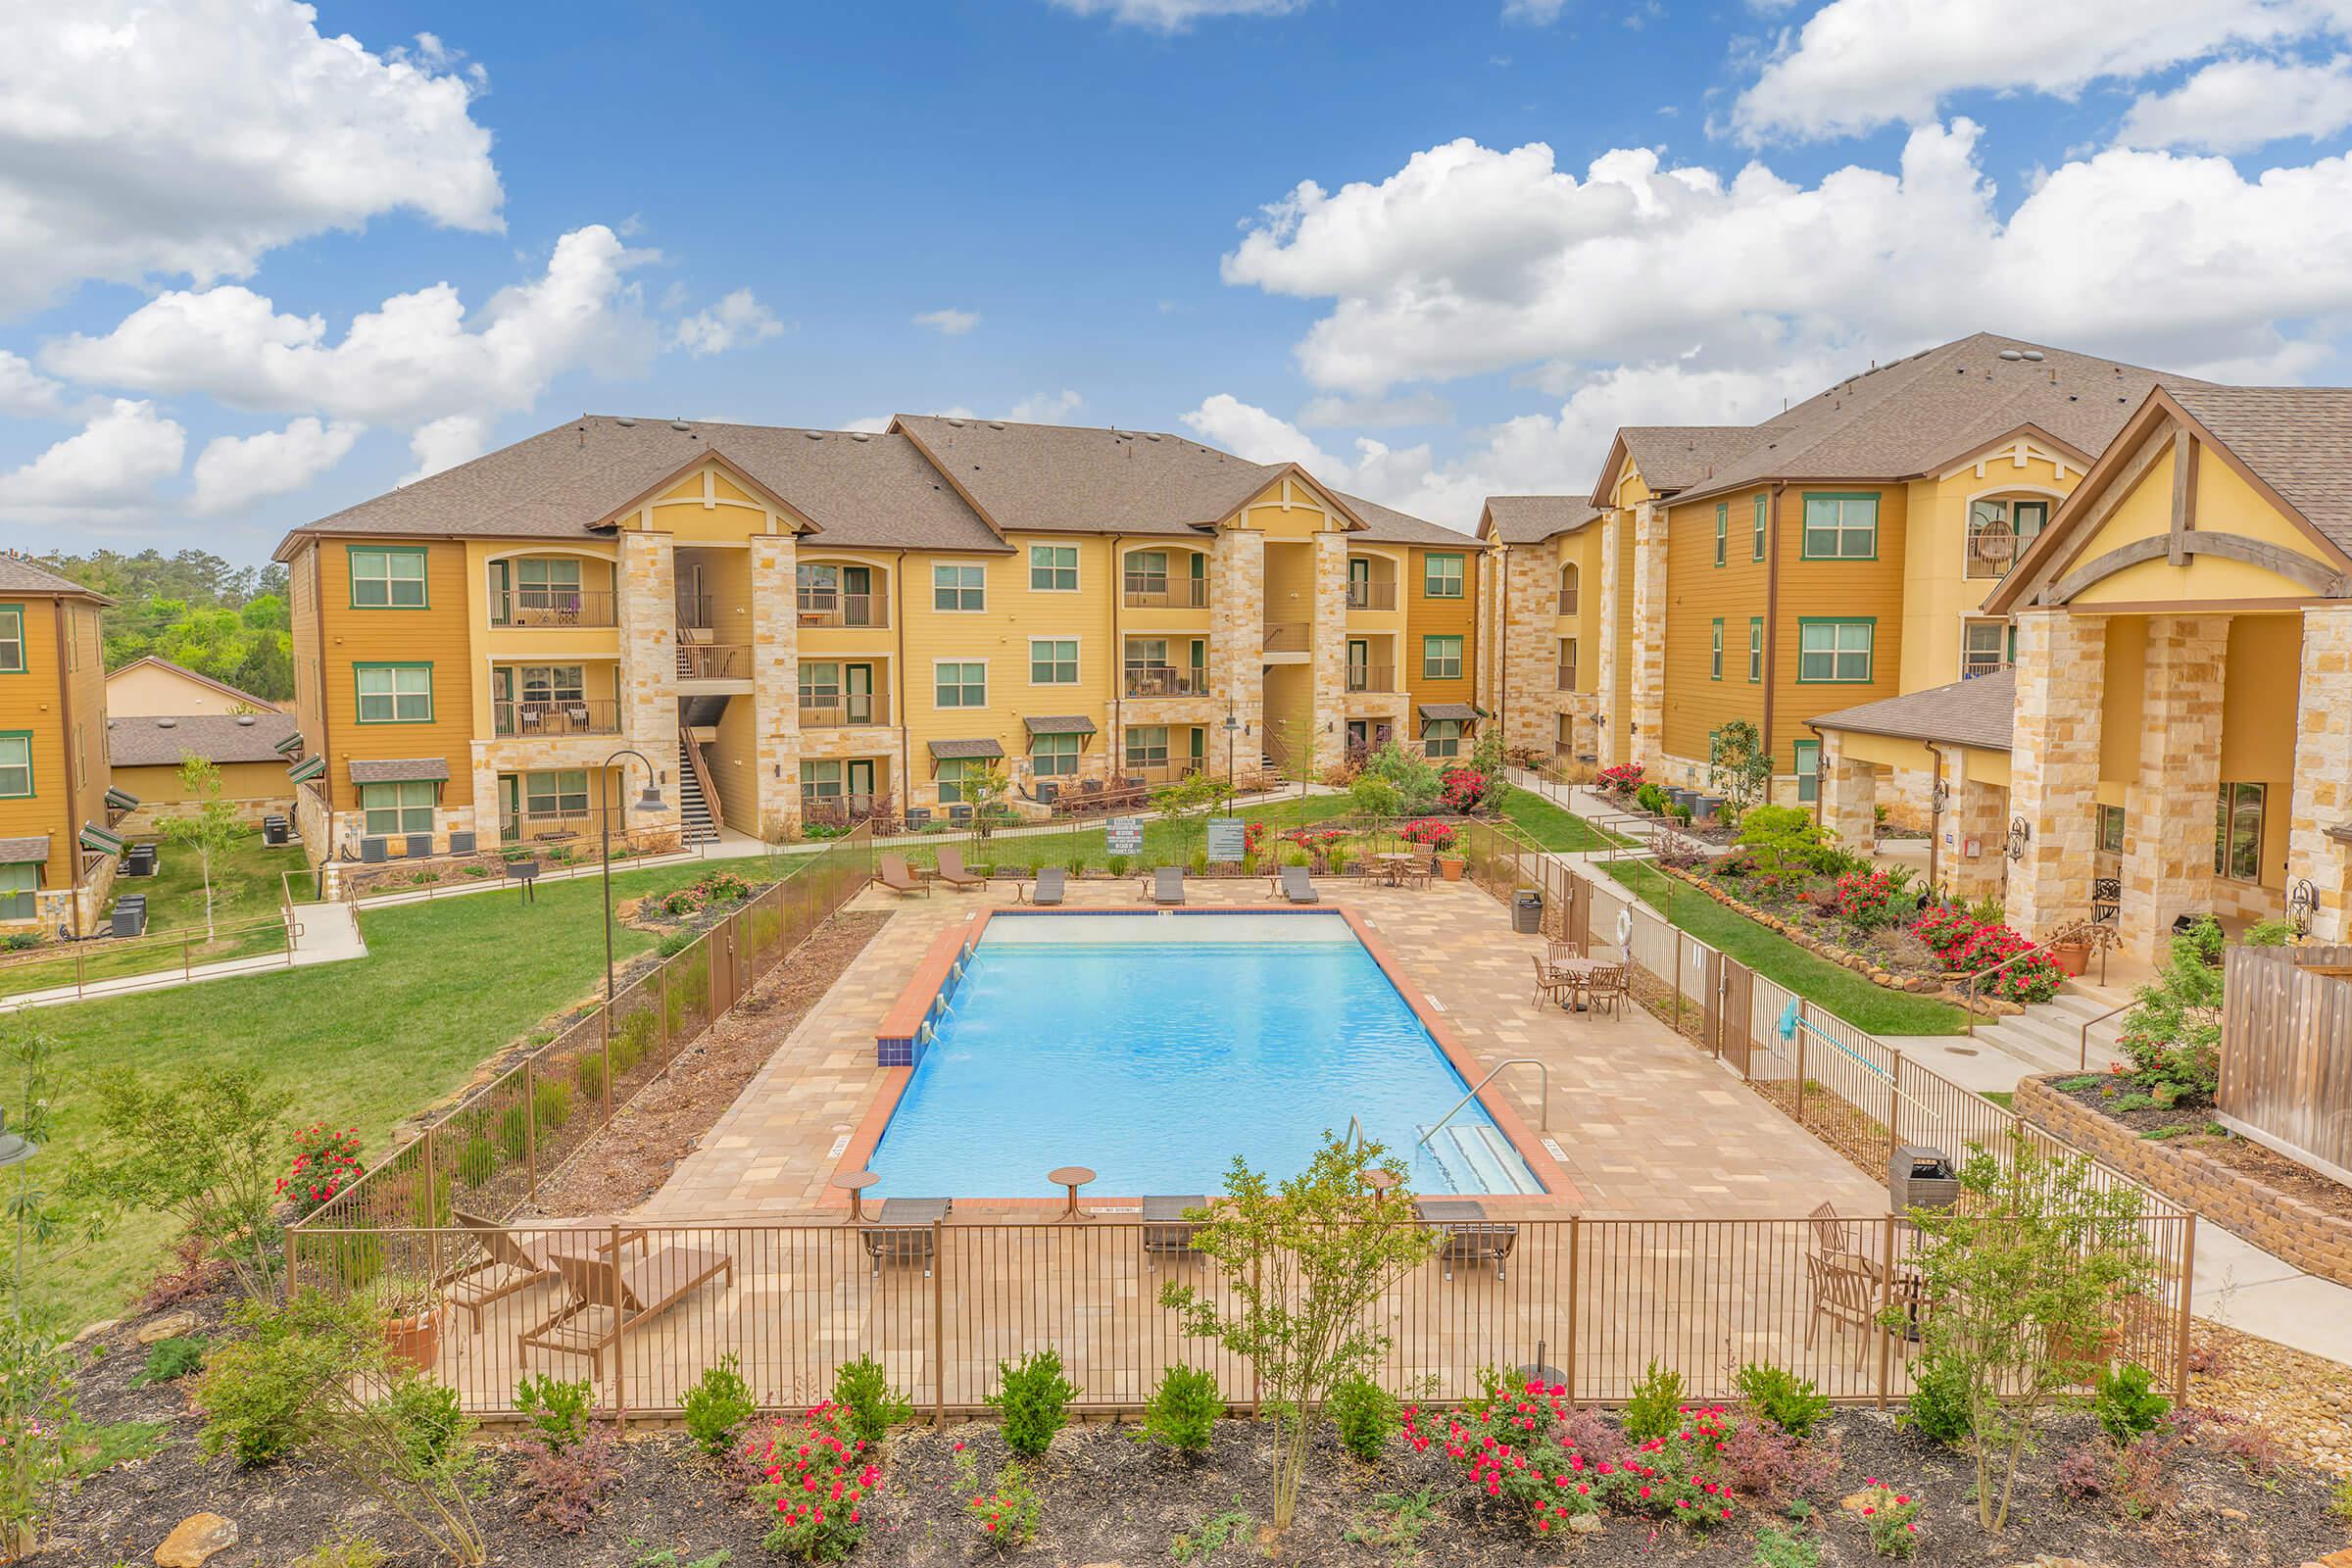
{"points": [[1514, 1062]]}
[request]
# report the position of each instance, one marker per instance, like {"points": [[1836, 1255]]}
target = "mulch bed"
{"points": [[2242, 1154]]}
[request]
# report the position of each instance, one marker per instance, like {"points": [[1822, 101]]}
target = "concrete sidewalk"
{"points": [[328, 933]]}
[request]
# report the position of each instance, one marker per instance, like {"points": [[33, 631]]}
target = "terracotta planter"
{"points": [[2071, 959], [416, 1340], [1451, 866], [2086, 1359]]}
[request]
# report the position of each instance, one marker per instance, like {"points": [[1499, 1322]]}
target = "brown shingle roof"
{"points": [[1389, 525], [1676, 456], [1060, 724], [397, 770], [1461, 712], [1967, 713], [21, 574], [217, 737], [1054, 478], [2297, 440], [1532, 519], [24, 852], [983, 746]]}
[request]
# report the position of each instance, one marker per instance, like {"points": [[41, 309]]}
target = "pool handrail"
{"points": [[1512, 1062]]}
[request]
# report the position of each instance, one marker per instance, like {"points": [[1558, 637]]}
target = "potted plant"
{"points": [[2070, 951], [412, 1313], [1439, 836]]}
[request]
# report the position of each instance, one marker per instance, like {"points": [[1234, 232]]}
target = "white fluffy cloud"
{"points": [[232, 472], [1174, 15], [1469, 260], [1045, 408], [1856, 65], [446, 442], [949, 323], [2233, 106], [139, 140], [110, 469], [734, 322], [1534, 12], [25, 393]]}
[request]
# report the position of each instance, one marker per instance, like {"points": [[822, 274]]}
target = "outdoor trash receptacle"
{"points": [[1921, 1177], [1527, 913]]}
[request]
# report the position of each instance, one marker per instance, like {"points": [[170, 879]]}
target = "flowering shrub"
{"points": [[324, 1164], [1521, 1445], [1966, 944], [815, 1477], [1891, 1516], [1429, 831], [1623, 779], [1007, 1516], [1466, 788], [1253, 834], [1865, 900]]}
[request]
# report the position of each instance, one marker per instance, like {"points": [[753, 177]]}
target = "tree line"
{"points": [[196, 610]]}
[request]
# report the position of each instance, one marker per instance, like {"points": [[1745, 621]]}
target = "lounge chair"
{"points": [[1166, 885], [1048, 889], [606, 1296], [1294, 887], [509, 1264], [1466, 1235], [951, 871], [1166, 1229], [893, 874], [902, 1232]]}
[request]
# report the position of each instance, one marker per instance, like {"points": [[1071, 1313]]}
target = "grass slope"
{"points": [[1553, 826], [245, 887]]}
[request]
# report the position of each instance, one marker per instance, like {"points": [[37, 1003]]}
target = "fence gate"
{"points": [[1733, 996], [1579, 912]]}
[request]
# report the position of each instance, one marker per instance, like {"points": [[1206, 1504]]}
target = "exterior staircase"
{"points": [[693, 811], [2048, 1036]]}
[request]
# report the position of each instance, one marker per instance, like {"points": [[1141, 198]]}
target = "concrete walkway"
{"points": [[327, 933]]}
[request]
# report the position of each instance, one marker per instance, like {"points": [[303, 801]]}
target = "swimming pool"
{"points": [[1152, 1048]]}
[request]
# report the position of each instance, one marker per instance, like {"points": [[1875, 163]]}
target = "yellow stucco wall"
{"points": [[1426, 616], [1938, 594], [1700, 593], [2225, 504]]}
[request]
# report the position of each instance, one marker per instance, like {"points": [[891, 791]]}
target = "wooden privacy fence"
{"points": [[2287, 1051], [488, 1154]]}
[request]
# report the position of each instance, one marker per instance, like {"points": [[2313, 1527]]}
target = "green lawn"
{"points": [[1850, 996], [368, 1043], [245, 887], [1550, 825]]}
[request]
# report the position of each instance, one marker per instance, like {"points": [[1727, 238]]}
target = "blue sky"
{"points": [[1527, 222]]}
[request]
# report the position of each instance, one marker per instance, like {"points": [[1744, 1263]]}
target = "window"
{"points": [[1998, 532], [1567, 663], [390, 810], [1572, 579], [11, 639], [16, 767], [547, 580], [1841, 528], [554, 683], [1054, 756], [17, 885], [1442, 576], [562, 793], [1833, 652], [1054, 568], [820, 781], [960, 685], [1715, 653], [1148, 745], [1052, 661], [1148, 572], [1808, 771], [1440, 658], [387, 579], [1442, 737], [2237, 833], [2111, 830], [395, 693], [1755, 648], [1763, 517], [1984, 648], [1723, 534], [818, 589], [959, 587], [820, 683]]}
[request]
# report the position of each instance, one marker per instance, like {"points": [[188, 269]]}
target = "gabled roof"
{"points": [[1532, 519], [2295, 439], [21, 574], [216, 737], [1059, 479], [1977, 711], [156, 661]]}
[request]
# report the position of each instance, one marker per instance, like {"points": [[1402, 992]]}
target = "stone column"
{"points": [[2168, 808], [1849, 795], [1531, 652], [1236, 636], [775, 684], [647, 612], [1981, 811], [1330, 666], [2054, 766], [2323, 789], [1647, 741], [1604, 679]]}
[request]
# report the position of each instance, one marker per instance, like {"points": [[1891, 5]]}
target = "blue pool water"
{"points": [[1153, 1049]]}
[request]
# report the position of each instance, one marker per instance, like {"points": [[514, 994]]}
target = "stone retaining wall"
{"points": [[2281, 1223]]}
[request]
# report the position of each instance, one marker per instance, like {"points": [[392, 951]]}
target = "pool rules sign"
{"points": [[1228, 843], [1123, 835]]}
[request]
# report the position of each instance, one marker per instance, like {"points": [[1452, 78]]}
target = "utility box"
{"points": [[275, 831], [130, 914], [1921, 1177], [1527, 913]]}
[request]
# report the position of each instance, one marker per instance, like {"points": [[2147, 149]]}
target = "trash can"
{"points": [[275, 831], [130, 914], [1527, 913], [1921, 1177]]}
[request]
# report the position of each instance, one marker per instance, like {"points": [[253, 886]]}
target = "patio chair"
{"points": [[902, 1232], [1422, 869], [1845, 1291], [1466, 1235], [1834, 1234], [893, 874], [1166, 885], [606, 1296], [1047, 890], [509, 1264], [1606, 986], [1296, 887], [1166, 1229], [1552, 985], [952, 871]]}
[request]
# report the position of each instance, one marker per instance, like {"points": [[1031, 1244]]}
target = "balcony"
{"points": [[820, 608], [1362, 595], [552, 606], [843, 710], [1166, 680], [556, 823], [1371, 677], [555, 716], [1566, 678], [1289, 636], [1148, 592]]}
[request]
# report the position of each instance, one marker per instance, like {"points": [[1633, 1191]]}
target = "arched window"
{"points": [[1571, 580]]}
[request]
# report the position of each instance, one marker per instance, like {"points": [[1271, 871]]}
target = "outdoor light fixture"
{"points": [[14, 1150], [2302, 904], [2020, 831], [650, 800], [1939, 798]]}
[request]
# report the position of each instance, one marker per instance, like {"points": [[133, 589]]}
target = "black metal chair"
{"points": [[2106, 901]]}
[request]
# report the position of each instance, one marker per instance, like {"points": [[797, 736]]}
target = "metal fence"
{"points": [[2287, 1051]]}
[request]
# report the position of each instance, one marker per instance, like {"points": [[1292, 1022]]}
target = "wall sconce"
{"points": [[2020, 832], [2302, 904], [1939, 798]]}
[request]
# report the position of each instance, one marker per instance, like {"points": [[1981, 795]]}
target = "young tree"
{"points": [[1737, 766], [984, 786], [1187, 800], [209, 829], [2027, 1276], [1303, 1263], [1300, 746]]}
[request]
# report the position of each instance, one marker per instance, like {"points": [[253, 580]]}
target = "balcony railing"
{"points": [[1371, 677], [1167, 593], [822, 609], [1566, 678], [1154, 774], [715, 662], [1567, 601], [552, 606], [1363, 595], [554, 823], [843, 709], [1166, 680], [555, 716], [1289, 636]]}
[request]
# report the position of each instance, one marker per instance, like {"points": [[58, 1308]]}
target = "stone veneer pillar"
{"points": [[647, 612], [1330, 658], [775, 684], [1647, 740], [2054, 766], [1238, 637], [1612, 564], [1981, 811], [1531, 652], [2168, 806], [2322, 786], [1849, 795]]}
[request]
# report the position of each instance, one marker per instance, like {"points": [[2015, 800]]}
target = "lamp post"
{"points": [[650, 800], [16, 1150], [1232, 727]]}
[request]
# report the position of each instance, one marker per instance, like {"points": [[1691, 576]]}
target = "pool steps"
{"points": [[1481, 1160]]}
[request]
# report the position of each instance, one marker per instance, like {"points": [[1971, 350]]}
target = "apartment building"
{"points": [[57, 847], [782, 621], [1548, 558]]}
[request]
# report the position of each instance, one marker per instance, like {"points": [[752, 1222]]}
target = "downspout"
{"points": [[1772, 628], [1935, 812], [1502, 642], [61, 611], [1114, 744], [898, 584], [1821, 755]]}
